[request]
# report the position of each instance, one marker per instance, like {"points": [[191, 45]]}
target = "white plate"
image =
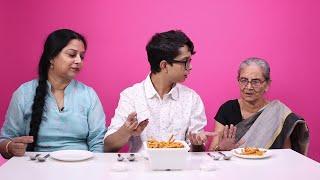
{"points": [[71, 155], [237, 152]]}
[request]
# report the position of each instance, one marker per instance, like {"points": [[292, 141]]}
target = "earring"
{"points": [[51, 64]]}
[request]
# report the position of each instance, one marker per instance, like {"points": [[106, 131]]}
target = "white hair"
{"points": [[263, 64]]}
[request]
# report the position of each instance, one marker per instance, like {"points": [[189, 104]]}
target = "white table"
{"points": [[283, 164]]}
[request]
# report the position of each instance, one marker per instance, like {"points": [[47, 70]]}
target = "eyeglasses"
{"points": [[255, 83], [186, 63]]}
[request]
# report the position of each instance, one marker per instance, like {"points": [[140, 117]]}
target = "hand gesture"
{"points": [[228, 139], [133, 127], [200, 138]]}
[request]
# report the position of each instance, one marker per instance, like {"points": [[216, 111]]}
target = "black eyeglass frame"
{"points": [[186, 63]]}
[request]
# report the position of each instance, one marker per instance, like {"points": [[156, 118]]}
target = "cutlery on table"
{"points": [[42, 159], [225, 157], [120, 158], [131, 157], [34, 157], [213, 156]]}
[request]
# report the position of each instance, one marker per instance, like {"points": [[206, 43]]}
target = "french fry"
{"points": [[170, 138], [252, 151], [152, 143]]}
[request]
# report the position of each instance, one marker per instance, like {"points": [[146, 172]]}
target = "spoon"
{"points": [[225, 157], [214, 157], [42, 159], [120, 158], [34, 157], [131, 157]]}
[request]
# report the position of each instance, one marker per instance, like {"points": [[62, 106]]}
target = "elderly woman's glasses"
{"points": [[186, 63], [255, 83]]}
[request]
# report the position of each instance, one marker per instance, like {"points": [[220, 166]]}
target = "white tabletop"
{"points": [[283, 164]]}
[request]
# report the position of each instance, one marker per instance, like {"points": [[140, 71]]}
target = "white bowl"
{"points": [[168, 158]]}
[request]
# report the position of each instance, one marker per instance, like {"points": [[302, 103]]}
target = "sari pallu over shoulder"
{"points": [[271, 126]]}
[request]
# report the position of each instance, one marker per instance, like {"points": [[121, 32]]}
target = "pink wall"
{"points": [[285, 32]]}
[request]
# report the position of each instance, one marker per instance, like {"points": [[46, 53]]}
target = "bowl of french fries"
{"points": [[163, 155]]}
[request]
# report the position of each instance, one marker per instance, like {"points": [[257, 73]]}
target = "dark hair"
{"points": [[55, 42], [165, 46]]}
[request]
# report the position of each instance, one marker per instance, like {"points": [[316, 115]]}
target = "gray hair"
{"points": [[263, 64]]}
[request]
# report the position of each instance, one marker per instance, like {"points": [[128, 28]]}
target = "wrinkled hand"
{"points": [[19, 144], [133, 127], [228, 139], [200, 138]]}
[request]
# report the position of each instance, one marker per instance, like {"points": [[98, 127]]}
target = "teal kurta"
{"points": [[81, 124]]}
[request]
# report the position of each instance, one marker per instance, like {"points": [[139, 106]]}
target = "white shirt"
{"points": [[179, 112]]}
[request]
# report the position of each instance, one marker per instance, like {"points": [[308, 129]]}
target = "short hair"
{"points": [[263, 64], [165, 46]]}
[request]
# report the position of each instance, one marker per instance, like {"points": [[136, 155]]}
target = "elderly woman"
{"points": [[55, 112], [254, 121]]}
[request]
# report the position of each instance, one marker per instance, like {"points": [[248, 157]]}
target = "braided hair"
{"points": [[54, 43]]}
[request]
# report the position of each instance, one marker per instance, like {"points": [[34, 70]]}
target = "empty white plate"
{"points": [[71, 155]]}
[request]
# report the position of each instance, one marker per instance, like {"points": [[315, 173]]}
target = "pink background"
{"points": [[285, 32]]}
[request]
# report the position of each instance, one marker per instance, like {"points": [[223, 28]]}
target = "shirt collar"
{"points": [[151, 91], [174, 93]]}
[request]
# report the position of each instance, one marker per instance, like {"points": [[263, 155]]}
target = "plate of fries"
{"points": [[251, 153]]}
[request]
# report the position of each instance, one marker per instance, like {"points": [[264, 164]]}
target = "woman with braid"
{"points": [[55, 112]]}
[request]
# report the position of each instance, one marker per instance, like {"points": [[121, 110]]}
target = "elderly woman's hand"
{"points": [[227, 141]]}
